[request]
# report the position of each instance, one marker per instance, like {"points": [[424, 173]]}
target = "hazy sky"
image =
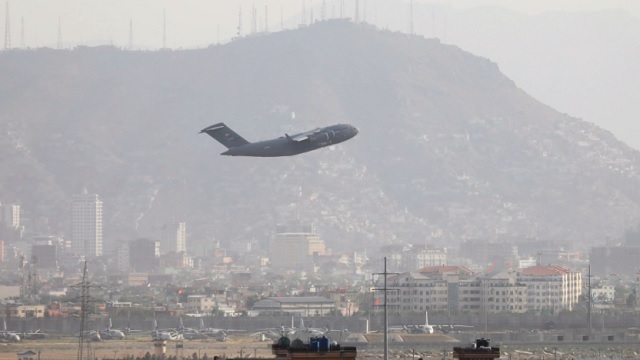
{"points": [[197, 23], [593, 90]]}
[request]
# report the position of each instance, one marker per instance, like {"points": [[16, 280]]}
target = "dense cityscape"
{"points": [[161, 276]]}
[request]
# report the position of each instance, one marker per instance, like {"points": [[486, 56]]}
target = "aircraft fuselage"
{"points": [[283, 146]]}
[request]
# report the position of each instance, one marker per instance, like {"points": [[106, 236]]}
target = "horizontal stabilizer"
{"points": [[224, 135]]}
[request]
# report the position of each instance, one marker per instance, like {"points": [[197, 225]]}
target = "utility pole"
{"points": [[589, 300], [385, 289]]}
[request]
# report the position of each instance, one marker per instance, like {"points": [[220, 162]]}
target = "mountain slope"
{"points": [[449, 148]]}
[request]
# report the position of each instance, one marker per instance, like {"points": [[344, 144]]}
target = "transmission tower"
{"points": [[7, 30], [84, 347]]}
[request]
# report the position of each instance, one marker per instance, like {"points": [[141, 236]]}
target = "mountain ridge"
{"points": [[449, 148]]}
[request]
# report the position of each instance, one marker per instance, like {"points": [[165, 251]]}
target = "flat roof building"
{"points": [[302, 305]]}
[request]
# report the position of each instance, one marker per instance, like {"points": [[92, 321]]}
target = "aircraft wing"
{"points": [[461, 326], [397, 328], [302, 136]]}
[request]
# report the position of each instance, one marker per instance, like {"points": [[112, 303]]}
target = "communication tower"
{"points": [[254, 21], [364, 12], [130, 34], [164, 29], [240, 22], [22, 44], [357, 15], [266, 19], [7, 30], [59, 33], [411, 17]]}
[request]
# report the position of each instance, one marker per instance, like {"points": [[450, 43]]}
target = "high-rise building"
{"points": [[143, 255], [10, 216], [44, 251], [174, 238], [86, 225], [122, 256], [294, 247]]}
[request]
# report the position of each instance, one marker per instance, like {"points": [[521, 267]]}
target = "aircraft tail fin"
{"points": [[224, 135]]}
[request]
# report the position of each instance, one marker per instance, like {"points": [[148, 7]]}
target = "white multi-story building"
{"points": [[503, 292], [606, 293], [431, 288], [453, 288], [551, 288], [419, 258], [86, 225], [174, 238], [200, 304]]}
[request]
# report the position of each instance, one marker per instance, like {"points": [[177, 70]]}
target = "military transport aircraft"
{"points": [[286, 145], [427, 328], [109, 333], [11, 336], [34, 335], [167, 334], [295, 332]]}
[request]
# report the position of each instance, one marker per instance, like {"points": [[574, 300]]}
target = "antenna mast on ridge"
{"points": [[130, 34], [411, 17], [7, 30], [164, 29], [240, 22], [22, 43]]}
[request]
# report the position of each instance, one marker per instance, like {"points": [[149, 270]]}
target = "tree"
{"points": [[632, 299]]}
